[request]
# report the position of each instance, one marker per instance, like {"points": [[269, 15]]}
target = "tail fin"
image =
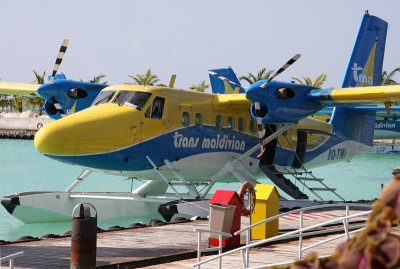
{"points": [[365, 66], [219, 86], [364, 69]]}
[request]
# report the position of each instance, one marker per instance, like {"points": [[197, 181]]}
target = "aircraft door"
{"points": [[154, 120], [300, 149], [268, 156]]}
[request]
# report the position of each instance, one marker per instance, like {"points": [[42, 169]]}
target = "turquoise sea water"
{"points": [[22, 169]]}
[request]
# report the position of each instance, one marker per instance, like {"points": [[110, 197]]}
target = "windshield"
{"points": [[103, 97], [131, 98]]}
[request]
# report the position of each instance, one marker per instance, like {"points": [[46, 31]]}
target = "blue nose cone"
{"points": [[255, 92], [48, 90]]}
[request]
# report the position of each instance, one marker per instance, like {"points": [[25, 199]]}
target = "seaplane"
{"points": [[178, 138]]}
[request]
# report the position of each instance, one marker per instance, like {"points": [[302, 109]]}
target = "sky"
{"points": [[120, 38]]}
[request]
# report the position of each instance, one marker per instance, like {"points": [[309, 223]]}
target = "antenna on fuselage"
{"points": [[172, 81]]}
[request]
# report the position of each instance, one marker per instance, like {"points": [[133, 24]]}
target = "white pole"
{"points": [[301, 236]]}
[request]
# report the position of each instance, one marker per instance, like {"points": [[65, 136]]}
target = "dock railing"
{"points": [[219, 248], [11, 258], [300, 233]]}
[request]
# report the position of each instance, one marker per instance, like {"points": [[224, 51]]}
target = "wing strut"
{"points": [[84, 174], [163, 177]]}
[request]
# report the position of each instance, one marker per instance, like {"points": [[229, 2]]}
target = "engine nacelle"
{"points": [[71, 95], [50, 110], [282, 103]]}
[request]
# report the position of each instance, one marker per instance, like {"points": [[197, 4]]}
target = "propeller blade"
{"points": [[259, 126], [58, 106], [225, 79], [60, 57], [283, 68]]}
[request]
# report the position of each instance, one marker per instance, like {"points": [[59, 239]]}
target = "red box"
{"points": [[229, 198]]}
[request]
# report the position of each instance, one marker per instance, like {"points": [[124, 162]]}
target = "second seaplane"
{"points": [[171, 137]]}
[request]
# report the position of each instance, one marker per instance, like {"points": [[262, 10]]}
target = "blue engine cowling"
{"points": [[282, 103]]}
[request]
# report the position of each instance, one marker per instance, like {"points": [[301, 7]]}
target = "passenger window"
{"points": [[218, 122], [230, 123], [158, 108], [241, 124], [185, 118], [198, 120], [253, 125]]}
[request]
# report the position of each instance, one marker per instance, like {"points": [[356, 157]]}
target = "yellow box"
{"points": [[267, 205]]}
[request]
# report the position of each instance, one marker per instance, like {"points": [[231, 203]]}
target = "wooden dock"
{"points": [[153, 246]]}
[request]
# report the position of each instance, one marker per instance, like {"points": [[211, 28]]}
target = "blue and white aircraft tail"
{"points": [[224, 80], [364, 69]]}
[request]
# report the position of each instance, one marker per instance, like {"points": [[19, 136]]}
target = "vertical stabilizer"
{"points": [[365, 66], [364, 69], [218, 85]]}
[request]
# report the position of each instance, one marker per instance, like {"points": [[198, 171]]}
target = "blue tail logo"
{"points": [[365, 65]]}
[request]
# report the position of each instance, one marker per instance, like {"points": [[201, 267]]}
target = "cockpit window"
{"points": [[103, 97], [131, 98]]}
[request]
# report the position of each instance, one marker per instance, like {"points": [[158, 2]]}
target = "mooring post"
{"points": [[83, 238]]}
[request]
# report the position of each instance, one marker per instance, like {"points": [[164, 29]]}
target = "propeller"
{"points": [[225, 79], [283, 68], [259, 127], [257, 107], [59, 59]]}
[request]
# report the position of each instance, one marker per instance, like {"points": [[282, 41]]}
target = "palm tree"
{"points": [[148, 79], [386, 79], [39, 79], [200, 87], [5, 101], [18, 103], [263, 74], [34, 102], [317, 83], [97, 79]]}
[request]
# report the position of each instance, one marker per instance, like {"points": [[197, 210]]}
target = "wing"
{"points": [[380, 111], [231, 101], [14, 88], [361, 95]]}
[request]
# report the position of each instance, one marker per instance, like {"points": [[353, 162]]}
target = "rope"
{"points": [[251, 199]]}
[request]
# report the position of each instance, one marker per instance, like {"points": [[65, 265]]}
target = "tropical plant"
{"points": [[199, 87], [317, 83], [34, 102], [97, 79], [386, 79], [147, 79], [18, 103], [39, 79], [263, 74], [6, 101]]}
